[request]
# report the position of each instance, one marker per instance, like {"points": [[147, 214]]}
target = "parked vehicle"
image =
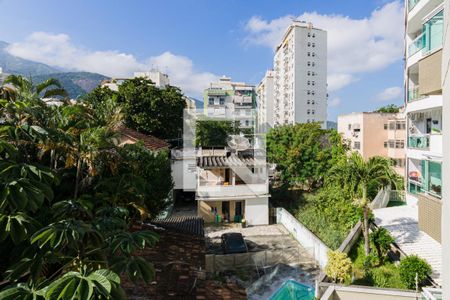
{"points": [[233, 243]]}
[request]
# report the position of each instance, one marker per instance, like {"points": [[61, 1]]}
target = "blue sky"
{"points": [[196, 41]]}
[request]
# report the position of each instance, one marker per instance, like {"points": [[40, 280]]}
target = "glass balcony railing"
{"points": [[419, 141], [417, 45], [413, 94], [412, 4]]}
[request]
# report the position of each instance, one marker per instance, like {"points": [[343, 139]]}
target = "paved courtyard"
{"points": [[402, 222]]}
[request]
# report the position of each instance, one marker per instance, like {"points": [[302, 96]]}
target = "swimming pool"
{"points": [[293, 290]]}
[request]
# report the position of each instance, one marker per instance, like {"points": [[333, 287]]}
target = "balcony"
{"points": [[419, 141], [216, 92], [412, 4], [425, 177], [209, 190], [417, 45], [413, 94]]}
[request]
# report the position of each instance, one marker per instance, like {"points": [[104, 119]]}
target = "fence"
{"points": [[384, 196], [306, 238], [218, 263]]}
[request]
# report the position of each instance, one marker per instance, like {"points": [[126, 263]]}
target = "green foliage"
{"points": [[382, 240], [339, 266], [330, 215], [152, 110], [412, 265], [303, 153], [386, 276], [210, 133], [390, 108], [64, 230]]}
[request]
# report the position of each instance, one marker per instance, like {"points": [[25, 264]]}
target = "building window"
{"points": [[308, 64], [385, 144], [357, 145], [313, 82], [349, 126], [313, 44], [308, 111], [222, 101], [247, 122], [399, 144], [313, 54], [313, 111], [313, 102], [313, 35], [211, 101], [313, 64], [385, 126], [309, 44], [309, 54], [391, 144], [309, 82], [313, 93], [309, 34], [308, 92], [308, 73]]}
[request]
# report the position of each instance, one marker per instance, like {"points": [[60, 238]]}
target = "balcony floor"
{"points": [[402, 222]]}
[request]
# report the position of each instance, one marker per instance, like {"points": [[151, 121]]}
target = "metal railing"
{"points": [[413, 94]]}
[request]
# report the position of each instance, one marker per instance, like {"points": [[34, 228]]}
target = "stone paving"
{"points": [[402, 222]]}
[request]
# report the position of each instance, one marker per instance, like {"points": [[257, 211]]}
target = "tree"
{"points": [[26, 90], [210, 133], [303, 153], [339, 266], [382, 240], [358, 176], [391, 108], [152, 110], [413, 266]]}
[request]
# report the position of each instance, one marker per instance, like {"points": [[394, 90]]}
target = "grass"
{"points": [[368, 271]]}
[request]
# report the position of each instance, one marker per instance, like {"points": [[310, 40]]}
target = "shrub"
{"points": [[412, 265], [386, 276], [339, 266], [382, 240]]}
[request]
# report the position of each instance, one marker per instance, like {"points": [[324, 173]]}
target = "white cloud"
{"points": [[391, 93], [57, 50], [354, 45], [334, 102]]}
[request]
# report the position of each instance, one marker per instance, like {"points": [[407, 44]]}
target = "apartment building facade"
{"points": [[300, 84], [228, 99], [160, 79], [265, 105], [376, 134], [423, 85]]}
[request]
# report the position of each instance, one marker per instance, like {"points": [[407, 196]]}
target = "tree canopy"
{"points": [[70, 194], [303, 153], [390, 108]]}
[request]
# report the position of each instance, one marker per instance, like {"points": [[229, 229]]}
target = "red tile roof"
{"points": [[151, 142]]}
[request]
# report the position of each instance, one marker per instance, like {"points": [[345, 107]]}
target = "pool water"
{"points": [[293, 290]]}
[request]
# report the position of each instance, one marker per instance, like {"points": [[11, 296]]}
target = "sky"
{"points": [[197, 41]]}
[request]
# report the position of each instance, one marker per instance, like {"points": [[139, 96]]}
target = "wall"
{"points": [[257, 211], [184, 174], [337, 292], [305, 237], [429, 79], [430, 210]]}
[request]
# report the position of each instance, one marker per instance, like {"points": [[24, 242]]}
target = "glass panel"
{"points": [[416, 45], [419, 142], [435, 177], [434, 29], [412, 3]]}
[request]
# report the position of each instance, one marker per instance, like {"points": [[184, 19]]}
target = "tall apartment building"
{"points": [[445, 238], [376, 134], [424, 39], [300, 84], [225, 99], [265, 92]]}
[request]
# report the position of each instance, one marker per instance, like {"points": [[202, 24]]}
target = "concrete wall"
{"points": [[184, 174], [306, 238], [337, 292], [257, 211], [430, 210]]}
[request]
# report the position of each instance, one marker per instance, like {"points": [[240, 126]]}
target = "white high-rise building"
{"points": [[265, 92], [423, 64], [300, 84]]}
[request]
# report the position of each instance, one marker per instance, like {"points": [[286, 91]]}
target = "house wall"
{"points": [[204, 209], [257, 211]]}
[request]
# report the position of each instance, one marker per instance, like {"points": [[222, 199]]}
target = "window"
{"points": [[308, 63], [385, 126], [313, 111], [313, 64], [309, 44], [391, 144], [313, 54], [349, 126], [211, 101], [309, 82], [247, 122], [313, 82], [308, 73], [392, 126], [308, 92], [401, 126], [313, 44], [308, 111], [385, 144], [313, 35], [357, 145], [313, 93], [222, 101], [309, 34], [309, 54], [308, 101], [399, 144], [313, 102]]}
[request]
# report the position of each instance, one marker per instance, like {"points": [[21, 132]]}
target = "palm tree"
{"points": [[358, 176], [25, 89]]}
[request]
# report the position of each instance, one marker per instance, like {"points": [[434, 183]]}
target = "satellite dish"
{"points": [[238, 142]]}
